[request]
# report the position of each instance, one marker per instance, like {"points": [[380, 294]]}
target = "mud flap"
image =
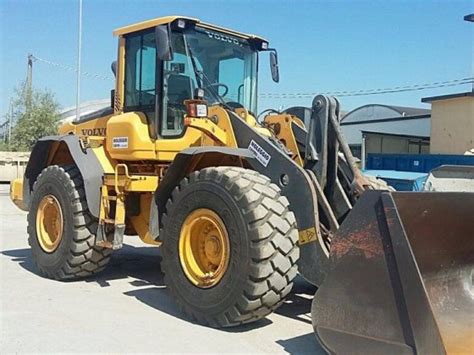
{"points": [[401, 277]]}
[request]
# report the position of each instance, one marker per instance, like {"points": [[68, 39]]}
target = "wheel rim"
{"points": [[49, 223], [204, 248]]}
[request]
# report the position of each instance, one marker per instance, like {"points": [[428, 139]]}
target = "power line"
{"points": [[72, 69], [339, 93], [366, 92], [397, 89]]}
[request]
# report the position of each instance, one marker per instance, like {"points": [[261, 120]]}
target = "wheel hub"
{"points": [[213, 247], [49, 223], [204, 248]]}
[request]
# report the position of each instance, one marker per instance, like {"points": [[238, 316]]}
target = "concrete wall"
{"points": [[452, 125], [12, 165]]}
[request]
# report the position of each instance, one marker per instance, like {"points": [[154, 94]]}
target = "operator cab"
{"points": [[173, 59]]}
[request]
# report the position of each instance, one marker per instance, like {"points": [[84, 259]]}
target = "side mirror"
{"points": [[274, 66], [113, 66], [112, 98], [163, 43]]}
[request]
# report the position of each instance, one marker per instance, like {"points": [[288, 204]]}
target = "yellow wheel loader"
{"points": [[240, 203]]}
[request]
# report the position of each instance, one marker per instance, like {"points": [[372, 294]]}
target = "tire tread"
{"points": [[274, 250], [84, 258]]}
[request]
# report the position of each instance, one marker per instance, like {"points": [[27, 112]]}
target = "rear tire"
{"points": [[75, 254], [263, 246]]}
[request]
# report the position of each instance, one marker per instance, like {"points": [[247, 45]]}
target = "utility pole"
{"points": [[29, 73], [10, 117], [79, 50], [470, 18], [29, 82]]}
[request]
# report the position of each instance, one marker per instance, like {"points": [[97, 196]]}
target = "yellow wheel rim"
{"points": [[204, 248], [49, 223]]}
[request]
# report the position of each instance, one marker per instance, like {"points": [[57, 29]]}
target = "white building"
{"points": [[88, 107], [387, 129]]}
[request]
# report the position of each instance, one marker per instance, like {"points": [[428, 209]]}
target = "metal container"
{"points": [[422, 163], [400, 180]]}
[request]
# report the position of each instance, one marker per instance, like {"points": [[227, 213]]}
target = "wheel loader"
{"points": [[239, 203]]}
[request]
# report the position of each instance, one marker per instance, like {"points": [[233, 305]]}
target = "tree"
{"points": [[36, 114]]}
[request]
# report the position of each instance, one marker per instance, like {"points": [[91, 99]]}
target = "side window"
{"points": [[178, 85], [140, 69]]}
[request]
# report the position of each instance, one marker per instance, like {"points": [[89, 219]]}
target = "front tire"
{"points": [[246, 209], [61, 231]]}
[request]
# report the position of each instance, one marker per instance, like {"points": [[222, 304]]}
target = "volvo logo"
{"points": [[223, 38], [94, 132]]}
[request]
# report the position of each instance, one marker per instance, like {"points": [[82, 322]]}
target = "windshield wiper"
{"points": [[200, 74]]}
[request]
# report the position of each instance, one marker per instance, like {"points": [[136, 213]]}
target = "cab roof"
{"points": [[168, 19]]}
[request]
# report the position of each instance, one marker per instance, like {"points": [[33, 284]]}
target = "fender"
{"points": [[85, 160], [184, 163]]}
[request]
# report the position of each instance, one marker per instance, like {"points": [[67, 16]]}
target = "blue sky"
{"points": [[323, 46]]}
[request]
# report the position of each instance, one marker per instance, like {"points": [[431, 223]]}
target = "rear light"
{"points": [[196, 108]]}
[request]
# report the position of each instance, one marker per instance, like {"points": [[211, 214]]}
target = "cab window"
{"points": [[140, 70], [179, 83]]}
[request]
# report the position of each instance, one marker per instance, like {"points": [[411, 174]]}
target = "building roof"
{"points": [[380, 113], [395, 134], [447, 97], [409, 111], [69, 114], [386, 119]]}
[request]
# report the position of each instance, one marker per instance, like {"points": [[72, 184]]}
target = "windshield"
{"points": [[224, 66]]}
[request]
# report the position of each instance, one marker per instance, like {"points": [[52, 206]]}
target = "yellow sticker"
{"points": [[308, 235]]}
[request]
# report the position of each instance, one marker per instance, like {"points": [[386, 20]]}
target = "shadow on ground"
{"points": [[139, 263], [298, 304], [23, 258], [303, 344], [142, 266]]}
